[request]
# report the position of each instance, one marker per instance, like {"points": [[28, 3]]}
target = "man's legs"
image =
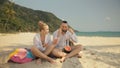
{"points": [[75, 50], [58, 53]]}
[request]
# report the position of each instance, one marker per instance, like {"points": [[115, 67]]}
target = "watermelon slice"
{"points": [[67, 49]]}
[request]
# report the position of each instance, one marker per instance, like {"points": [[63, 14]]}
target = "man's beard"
{"points": [[64, 31]]}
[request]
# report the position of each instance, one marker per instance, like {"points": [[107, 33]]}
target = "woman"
{"points": [[42, 43]]}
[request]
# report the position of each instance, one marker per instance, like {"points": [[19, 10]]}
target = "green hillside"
{"points": [[15, 18]]}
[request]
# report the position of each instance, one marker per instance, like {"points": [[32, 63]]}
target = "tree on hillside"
{"points": [[8, 13], [14, 18], [3, 1]]}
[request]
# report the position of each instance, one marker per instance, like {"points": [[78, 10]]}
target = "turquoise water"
{"points": [[104, 34]]}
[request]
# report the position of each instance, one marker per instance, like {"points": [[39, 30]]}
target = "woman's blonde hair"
{"points": [[42, 25]]}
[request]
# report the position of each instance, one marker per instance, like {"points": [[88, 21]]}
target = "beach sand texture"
{"points": [[98, 52]]}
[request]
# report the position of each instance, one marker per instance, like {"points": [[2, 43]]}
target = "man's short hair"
{"points": [[64, 22]]}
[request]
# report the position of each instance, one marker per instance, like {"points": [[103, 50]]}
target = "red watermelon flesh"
{"points": [[67, 48]]}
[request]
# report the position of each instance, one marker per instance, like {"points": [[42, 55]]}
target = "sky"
{"points": [[82, 15]]}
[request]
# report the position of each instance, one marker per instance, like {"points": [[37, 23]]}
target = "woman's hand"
{"points": [[45, 45], [55, 41], [59, 32]]}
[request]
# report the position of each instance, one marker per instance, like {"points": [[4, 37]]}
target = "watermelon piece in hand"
{"points": [[67, 49]]}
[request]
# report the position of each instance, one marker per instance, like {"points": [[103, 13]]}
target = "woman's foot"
{"points": [[38, 61], [51, 61]]}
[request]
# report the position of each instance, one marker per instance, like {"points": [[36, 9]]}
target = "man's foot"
{"points": [[79, 55], [62, 59], [38, 61]]}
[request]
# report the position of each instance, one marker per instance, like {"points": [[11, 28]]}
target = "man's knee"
{"points": [[79, 46], [55, 50], [58, 53]]}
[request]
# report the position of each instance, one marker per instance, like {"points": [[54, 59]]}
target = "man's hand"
{"points": [[71, 30]]}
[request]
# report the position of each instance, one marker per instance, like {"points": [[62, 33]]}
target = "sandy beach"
{"points": [[98, 52]]}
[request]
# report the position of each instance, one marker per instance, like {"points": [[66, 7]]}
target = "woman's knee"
{"points": [[33, 48]]}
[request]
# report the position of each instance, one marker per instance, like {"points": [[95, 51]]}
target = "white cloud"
{"points": [[107, 19]]}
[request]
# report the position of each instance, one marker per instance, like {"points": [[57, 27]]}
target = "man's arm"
{"points": [[73, 36]]}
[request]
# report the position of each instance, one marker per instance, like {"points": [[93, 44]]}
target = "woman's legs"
{"points": [[41, 55], [49, 49]]}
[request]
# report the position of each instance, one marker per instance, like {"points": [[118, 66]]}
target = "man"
{"points": [[63, 35]]}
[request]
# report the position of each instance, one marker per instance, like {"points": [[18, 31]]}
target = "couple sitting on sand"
{"points": [[43, 46]]}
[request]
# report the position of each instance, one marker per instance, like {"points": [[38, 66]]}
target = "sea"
{"points": [[102, 34]]}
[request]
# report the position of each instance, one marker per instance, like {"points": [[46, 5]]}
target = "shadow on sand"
{"points": [[72, 63], [69, 63], [109, 58]]}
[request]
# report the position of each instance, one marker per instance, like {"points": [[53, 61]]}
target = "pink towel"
{"points": [[19, 60], [22, 53]]}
